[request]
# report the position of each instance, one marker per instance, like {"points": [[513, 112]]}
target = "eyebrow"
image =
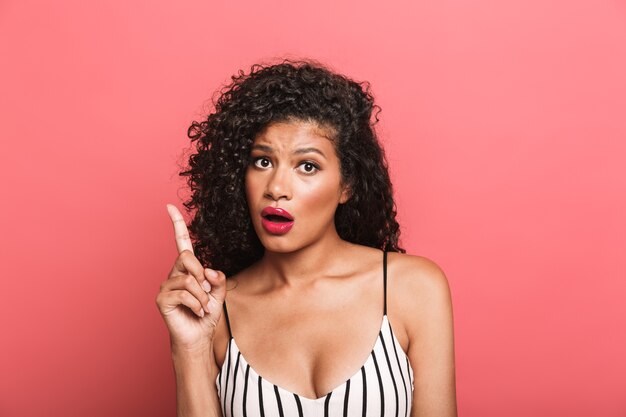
{"points": [[269, 149]]}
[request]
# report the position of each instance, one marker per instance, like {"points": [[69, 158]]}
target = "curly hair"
{"points": [[221, 227]]}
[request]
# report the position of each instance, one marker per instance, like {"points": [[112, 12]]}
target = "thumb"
{"points": [[217, 280]]}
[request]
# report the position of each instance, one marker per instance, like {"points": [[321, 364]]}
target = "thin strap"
{"points": [[385, 278], [227, 321]]}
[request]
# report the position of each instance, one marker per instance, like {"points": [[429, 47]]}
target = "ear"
{"points": [[346, 193]]}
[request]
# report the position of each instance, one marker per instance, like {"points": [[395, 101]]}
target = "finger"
{"points": [[183, 241], [172, 299], [211, 275], [217, 280], [187, 263], [187, 283]]}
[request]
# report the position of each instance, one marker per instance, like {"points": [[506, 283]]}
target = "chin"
{"points": [[279, 244], [278, 247]]}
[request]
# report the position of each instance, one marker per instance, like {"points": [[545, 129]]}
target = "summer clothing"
{"points": [[383, 386]]}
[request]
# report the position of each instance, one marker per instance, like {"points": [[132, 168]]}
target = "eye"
{"points": [[263, 159], [309, 167]]}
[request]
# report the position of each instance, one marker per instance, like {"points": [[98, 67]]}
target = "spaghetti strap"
{"points": [[227, 321], [385, 278]]}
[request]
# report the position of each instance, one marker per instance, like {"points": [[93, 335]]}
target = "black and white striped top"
{"points": [[382, 387]]}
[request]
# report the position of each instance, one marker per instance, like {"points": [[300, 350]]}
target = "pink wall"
{"points": [[504, 124]]}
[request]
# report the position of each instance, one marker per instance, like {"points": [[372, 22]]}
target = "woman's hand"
{"points": [[191, 297]]}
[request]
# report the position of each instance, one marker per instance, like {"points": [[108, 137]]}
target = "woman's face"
{"points": [[294, 167]]}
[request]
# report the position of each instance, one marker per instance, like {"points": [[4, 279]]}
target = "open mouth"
{"points": [[277, 219]]}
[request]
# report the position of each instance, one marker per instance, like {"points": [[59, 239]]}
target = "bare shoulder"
{"points": [[222, 334], [419, 292], [417, 276], [423, 310]]}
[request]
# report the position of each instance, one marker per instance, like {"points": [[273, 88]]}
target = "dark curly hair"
{"points": [[223, 234]]}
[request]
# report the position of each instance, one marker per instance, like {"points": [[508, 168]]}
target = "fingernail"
{"points": [[201, 313], [206, 286], [211, 273]]}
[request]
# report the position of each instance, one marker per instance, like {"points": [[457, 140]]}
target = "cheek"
{"points": [[320, 195]]}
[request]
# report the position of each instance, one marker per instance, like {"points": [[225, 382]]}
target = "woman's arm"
{"points": [[426, 307], [196, 392], [191, 288]]}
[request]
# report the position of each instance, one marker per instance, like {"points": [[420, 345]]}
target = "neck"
{"points": [[305, 265]]}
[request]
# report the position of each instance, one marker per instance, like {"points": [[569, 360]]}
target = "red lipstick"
{"points": [[277, 221]]}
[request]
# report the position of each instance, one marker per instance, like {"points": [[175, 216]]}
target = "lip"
{"points": [[277, 211], [277, 228]]}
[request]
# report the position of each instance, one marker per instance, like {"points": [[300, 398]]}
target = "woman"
{"points": [[322, 312]]}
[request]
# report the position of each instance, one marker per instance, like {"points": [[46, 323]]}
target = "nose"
{"points": [[279, 185]]}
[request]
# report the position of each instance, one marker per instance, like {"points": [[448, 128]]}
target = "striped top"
{"points": [[383, 386]]}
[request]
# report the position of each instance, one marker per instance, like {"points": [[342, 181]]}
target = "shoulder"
{"points": [[423, 309], [416, 276], [234, 286], [222, 335], [419, 292]]}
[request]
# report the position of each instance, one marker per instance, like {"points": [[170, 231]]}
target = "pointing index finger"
{"points": [[183, 241]]}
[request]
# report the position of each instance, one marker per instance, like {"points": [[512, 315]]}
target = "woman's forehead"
{"points": [[291, 134]]}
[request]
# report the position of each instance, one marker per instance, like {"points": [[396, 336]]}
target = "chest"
{"points": [[308, 349], [382, 385]]}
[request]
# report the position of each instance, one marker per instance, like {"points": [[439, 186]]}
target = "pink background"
{"points": [[504, 125]]}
